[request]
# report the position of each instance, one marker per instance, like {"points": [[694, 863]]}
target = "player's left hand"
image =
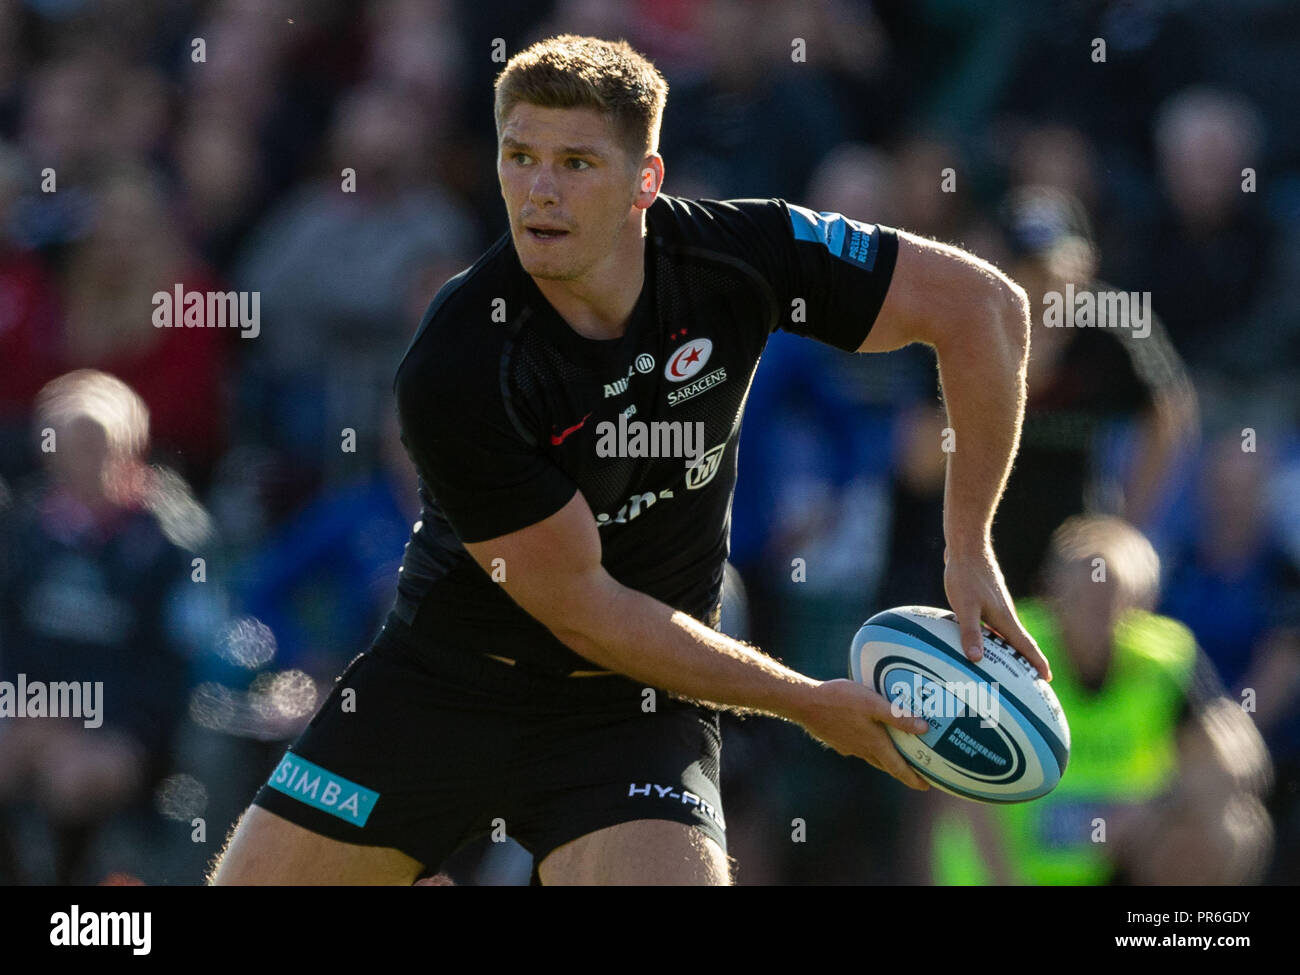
{"points": [[976, 591]]}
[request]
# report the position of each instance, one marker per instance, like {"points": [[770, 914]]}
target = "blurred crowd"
{"points": [[218, 531]]}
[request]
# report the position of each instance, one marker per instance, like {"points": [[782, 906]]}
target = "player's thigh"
{"points": [[643, 851], [267, 849]]}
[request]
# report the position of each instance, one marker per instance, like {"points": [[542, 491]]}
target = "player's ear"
{"points": [[650, 178]]}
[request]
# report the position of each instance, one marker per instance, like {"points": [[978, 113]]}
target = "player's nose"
{"points": [[543, 191]]}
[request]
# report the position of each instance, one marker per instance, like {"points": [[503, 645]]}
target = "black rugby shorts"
{"points": [[424, 749]]}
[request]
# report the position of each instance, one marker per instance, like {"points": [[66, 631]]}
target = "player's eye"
{"points": [[519, 157], [581, 163]]}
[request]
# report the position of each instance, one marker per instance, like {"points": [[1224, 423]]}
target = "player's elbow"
{"points": [[990, 332], [578, 614], [1014, 303], [584, 644], [1011, 313], [952, 300]]}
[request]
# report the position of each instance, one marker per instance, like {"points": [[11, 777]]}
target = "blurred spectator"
{"points": [[1274, 680], [1232, 583], [1058, 156], [415, 46], [1061, 156], [755, 123], [929, 205], [89, 575], [1080, 380], [28, 323], [333, 265], [1151, 50], [271, 78], [134, 251], [324, 582], [1165, 771], [1238, 589], [1213, 254], [64, 132], [216, 162]]}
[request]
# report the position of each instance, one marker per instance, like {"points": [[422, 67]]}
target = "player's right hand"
{"points": [[851, 719]]}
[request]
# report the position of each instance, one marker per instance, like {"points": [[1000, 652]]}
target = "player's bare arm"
{"points": [[554, 572], [977, 320]]}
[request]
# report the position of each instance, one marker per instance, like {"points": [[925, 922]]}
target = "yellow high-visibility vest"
{"points": [[1123, 749]]}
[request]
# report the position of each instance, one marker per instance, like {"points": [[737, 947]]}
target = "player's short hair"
{"points": [[101, 398], [1130, 560], [569, 71]]}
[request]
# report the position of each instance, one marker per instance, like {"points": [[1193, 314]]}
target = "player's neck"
{"points": [[599, 304]]}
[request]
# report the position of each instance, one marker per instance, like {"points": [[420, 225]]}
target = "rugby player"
{"points": [[551, 668]]}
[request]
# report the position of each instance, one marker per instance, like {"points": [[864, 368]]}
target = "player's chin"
{"points": [[548, 270]]}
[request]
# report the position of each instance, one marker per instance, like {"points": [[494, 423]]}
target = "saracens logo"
{"points": [[696, 386], [688, 360]]}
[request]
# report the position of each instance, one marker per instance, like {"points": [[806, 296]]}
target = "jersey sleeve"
{"points": [[470, 452], [830, 272]]}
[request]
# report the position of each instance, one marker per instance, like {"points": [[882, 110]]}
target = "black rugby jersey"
{"points": [[506, 410]]}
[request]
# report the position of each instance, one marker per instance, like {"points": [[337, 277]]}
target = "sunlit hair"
{"points": [[101, 398], [569, 71], [1130, 562]]}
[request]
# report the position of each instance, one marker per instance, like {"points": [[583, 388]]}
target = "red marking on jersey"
{"points": [[558, 438]]}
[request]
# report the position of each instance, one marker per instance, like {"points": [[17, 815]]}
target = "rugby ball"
{"points": [[997, 732]]}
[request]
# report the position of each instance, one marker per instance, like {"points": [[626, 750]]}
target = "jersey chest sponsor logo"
{"points": [[698, 474], [688, 360], [632, 507], [644, 363], [692, 389]]}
